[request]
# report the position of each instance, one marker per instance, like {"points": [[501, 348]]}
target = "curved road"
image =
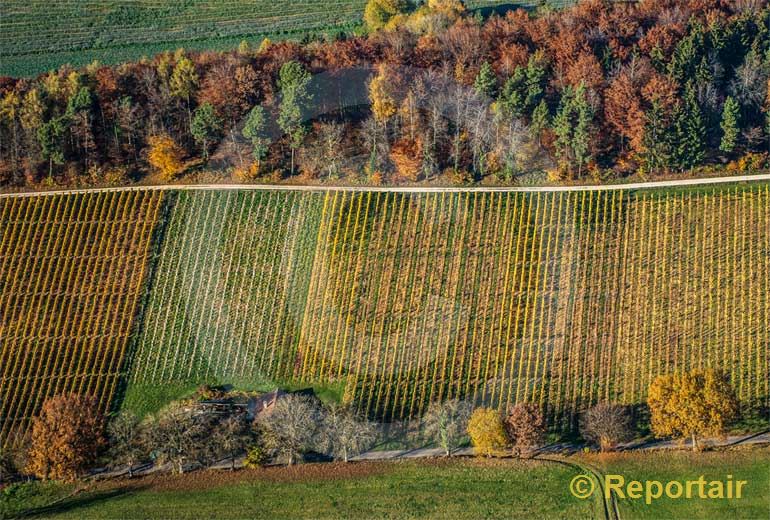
{"points": [[406, 189]]}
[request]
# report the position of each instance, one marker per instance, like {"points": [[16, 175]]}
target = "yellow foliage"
{"points": [[266, 43], [247, 173], [487, 432], [165, 156], [383, 104], [378, 13], [691, 404]]}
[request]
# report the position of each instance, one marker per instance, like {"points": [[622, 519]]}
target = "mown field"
{"points": [[390, 300], [36, 36], [407, 489]]}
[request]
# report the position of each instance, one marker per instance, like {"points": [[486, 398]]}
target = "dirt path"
{"points": [[406, 189]]}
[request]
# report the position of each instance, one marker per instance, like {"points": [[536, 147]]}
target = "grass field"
{"points": [[385, 300], [427, 488], [36, 36]]}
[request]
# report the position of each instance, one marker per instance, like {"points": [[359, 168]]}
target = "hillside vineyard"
{"points": [[562, 299]]}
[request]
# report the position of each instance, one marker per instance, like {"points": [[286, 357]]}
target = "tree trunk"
{"points": [[695, 446]]}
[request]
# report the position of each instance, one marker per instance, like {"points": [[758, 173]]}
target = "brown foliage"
{"points": [[526, 427], [406, 155], [607, 425], [66, 437]]}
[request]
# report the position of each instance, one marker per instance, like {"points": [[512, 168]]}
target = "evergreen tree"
{"points": [[689, 132], [572, 126], [205, 127], [293, 81], [730, 125], [540, 119], [656, 140], [486, 81], [254, 131], [581, 137]]}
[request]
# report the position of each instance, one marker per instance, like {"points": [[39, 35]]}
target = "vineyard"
{"points": [[557, 298], [36, 36], [71, 269]]}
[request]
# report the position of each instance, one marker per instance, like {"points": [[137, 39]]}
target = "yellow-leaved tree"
{"points": [[487, 431], [691, 404], [165, 156], [379, 12]]}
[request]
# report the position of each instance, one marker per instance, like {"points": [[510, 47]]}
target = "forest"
{"points": [[430, 94]]}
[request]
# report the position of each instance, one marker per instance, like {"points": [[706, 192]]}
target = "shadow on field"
{"points": [[77, 501]]}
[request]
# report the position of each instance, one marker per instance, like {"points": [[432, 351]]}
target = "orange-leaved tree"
{"points": [[487, 432], [691, 404], [165, 156], [66, 437]]}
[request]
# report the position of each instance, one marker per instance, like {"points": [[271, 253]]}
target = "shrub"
{"points": [[526, 427], [607, 425], [446, 423], [66, 437], [692, 404], [256, 457], [486, 430]]}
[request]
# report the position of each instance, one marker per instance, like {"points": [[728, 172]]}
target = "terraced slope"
{"points": [[71, 273], [395, 299]]}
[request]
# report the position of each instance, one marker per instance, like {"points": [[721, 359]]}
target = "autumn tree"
{"points": [[66, 437], [126, 442], [486, 430], [205, 127], [691, 404], [730, 125], [293, 83], [446, 423], [378, 13], [344, 434], [165, 156], [607, 425], [525, 427]]}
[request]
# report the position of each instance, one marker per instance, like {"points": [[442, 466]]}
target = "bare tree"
{"points": [[291, 427], [446, 423], [232, 437], [180, 434], [607, 425], [344, 434], [126, 443]]}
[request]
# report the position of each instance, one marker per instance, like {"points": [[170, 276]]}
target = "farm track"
{"points": [[411, 189]]}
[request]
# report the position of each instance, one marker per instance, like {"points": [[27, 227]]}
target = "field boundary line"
{"points": [[397, 189]]}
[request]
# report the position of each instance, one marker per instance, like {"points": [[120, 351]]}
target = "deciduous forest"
{"points": [[431, 93]]}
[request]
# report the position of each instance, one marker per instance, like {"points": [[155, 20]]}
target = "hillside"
{"points": [[395, 299]]}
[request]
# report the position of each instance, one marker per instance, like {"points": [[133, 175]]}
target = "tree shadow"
{"points": [[156, 242], [80, 500]]}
